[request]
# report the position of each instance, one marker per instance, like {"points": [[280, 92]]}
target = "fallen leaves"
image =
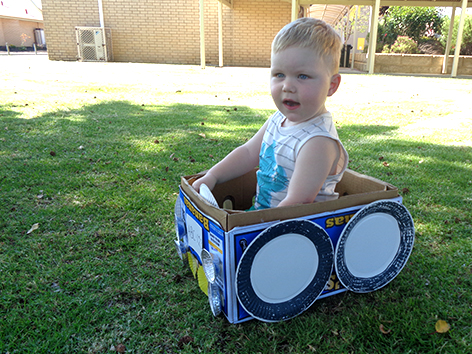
{"points": [[383, 330], [120, 348], [34, 227], [184, 340], [442, 326]]}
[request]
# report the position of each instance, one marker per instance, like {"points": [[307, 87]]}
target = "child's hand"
{"points": [[208, 179]]}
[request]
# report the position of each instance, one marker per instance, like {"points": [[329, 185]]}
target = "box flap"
{"points": [[354, 189]]}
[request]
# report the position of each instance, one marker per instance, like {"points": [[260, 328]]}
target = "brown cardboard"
{"points": [[354, 189]]}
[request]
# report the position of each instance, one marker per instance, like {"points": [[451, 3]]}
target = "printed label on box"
{"points": [[195, 234]]}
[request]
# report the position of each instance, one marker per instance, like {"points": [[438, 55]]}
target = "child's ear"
{"points": [[334, 84]]}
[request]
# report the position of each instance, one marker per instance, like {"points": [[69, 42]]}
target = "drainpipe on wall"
{"points": [[100, 13], [202, 36], [220, 34]]}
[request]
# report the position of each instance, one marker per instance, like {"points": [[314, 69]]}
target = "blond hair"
{"points": [[314, 34]]}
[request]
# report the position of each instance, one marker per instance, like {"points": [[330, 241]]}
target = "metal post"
{"points": [[373, 35], [460, 30], [35, 49], [449, 39], [8, 48]]}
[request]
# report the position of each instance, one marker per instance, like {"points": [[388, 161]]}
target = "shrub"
{"points": [[403, 45], [413, 22], [466, 46]]}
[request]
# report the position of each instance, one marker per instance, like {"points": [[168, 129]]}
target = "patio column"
{"points": [[449, 39], [455, 62], [202, 37], [373, 35], [354, 47], [294, 10]]}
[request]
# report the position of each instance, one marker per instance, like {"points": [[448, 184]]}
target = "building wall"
{"points": [[168, 31], [17, 32]]}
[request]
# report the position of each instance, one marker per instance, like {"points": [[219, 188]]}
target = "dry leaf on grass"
{"points": [[184, 340], [312, 348], [383, 330], [34, 227], [442, 326]]}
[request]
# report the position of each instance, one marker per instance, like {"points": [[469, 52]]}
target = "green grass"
{"points": [[96, 162]]}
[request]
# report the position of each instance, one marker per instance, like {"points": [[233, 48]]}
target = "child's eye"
{"points": [[279, 75], [303, 76]]}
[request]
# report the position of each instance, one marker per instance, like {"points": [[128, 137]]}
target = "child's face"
{"points": [[300, 83]]}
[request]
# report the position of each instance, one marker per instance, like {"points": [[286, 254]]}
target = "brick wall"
{"points": [[168, 31], [11, 32], [60, 19]]}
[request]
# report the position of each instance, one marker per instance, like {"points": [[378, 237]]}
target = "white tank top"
{"points": [[279, 151]]}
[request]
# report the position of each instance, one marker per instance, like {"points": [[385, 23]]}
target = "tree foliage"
{"points": [[348, 22], [413, 22], [466, 46]]}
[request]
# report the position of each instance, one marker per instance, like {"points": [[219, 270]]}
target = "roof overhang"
{"points": [[23, 10], [331, 14], [422, 3]]}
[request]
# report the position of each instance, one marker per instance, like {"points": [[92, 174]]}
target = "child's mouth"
{"points": [[290, 104]]}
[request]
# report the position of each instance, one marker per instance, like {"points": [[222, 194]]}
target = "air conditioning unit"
{"points": [[94, 44]]}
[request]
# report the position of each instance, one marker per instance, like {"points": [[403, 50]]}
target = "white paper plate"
{"points": [[284, 270], [374, 246], [206, 193]]}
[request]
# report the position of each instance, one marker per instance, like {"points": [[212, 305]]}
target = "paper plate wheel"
{"points": [[374, 246], [206, 193], [284, 270]]}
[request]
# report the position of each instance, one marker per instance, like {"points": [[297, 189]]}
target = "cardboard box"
{"points": [[224, 234]]}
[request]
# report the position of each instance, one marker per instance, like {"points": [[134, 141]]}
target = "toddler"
{"points": [[299, 154]]}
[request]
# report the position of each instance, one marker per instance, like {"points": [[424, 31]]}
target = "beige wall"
{"points": [[168, 31], [13, 31], [413, 63]]}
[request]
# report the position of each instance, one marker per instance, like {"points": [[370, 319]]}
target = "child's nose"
{"points": [[289, 86]]}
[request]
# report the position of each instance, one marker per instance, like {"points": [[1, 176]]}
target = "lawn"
{"points": [[91, 156]]}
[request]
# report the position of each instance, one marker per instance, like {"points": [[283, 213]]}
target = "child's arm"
{"points": [[316, 160], [238, 162]]}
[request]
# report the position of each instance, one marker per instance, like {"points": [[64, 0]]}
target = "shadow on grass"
{"points": [[101, 182]]}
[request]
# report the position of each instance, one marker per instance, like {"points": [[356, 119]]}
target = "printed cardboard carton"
{"points": [[218, 236]]}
